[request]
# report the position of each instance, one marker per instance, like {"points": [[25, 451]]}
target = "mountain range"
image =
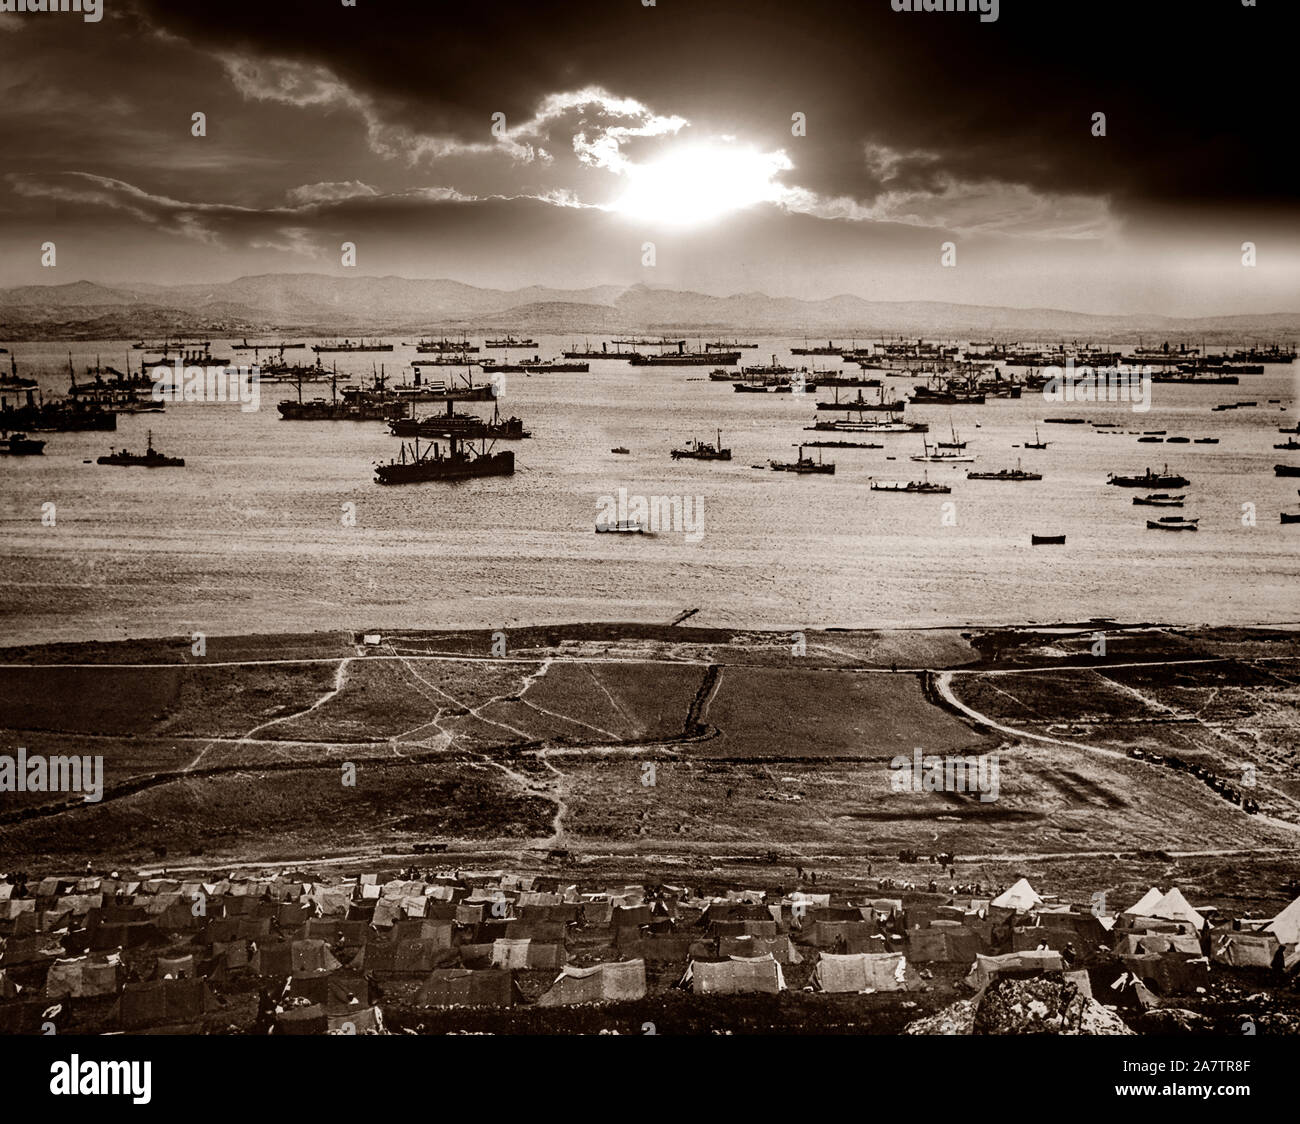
{"points": [[324, 305]]}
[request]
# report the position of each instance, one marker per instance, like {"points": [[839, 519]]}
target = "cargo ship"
{"points": [[461, 346], [683, 358], [921, 487], [459, 462], [460, 425], [504, 342], [336, 346]]}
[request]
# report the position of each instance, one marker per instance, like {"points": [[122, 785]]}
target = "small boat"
{"points": [[150, 458], [1047, 540], [1064, 421], [702, 451], [1170, 524], [805, 466], [955, 443], [937, 456], [1150, 440], [1292, 444], [20, 445], [1291, 517], [1286, 469], [1289, 428], [619, 449], [1036, 443], [621, 527], [1205, 441], [1160, 499], [1178, 440]]}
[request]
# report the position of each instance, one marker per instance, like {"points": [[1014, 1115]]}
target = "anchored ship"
{"points": [[461, 461], [150, 458]]}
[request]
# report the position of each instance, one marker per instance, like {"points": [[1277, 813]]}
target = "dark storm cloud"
{"points": [[1189, 89]]}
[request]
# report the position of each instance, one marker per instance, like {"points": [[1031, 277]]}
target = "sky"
{"points": [[802, 150]]}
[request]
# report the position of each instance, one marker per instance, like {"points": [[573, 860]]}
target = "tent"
{"points": [[1143, 906], [601, 983], [737, 976], [1021, 897], [464, 987], [81, 976], [861, 972], [1174, 907], [1250, 950], [1286, 925], [1031, 962], [162, 1002]]}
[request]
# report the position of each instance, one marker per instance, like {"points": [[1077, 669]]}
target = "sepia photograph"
{"points": [[413, 624]]}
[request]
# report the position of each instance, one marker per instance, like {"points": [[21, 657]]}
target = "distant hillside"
{"points": [[317, 304]]}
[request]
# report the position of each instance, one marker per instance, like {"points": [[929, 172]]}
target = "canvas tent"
{"points": [[1286, 925], [1174, 907], [737, 976], [601, 983], [1021, 897], [466, 987], [861, 972], [1143, 906], [988, 968]]}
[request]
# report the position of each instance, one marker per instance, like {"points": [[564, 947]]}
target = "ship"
{"points": [[504, 342], [728, 345], [622, 450], [150, 458], [772, 368], [1016, 473], [683, 358], [60, 415], [1171, 523], [634, 342], [1159, 499], [842, 445], [333, 346], [805, 466], [375, 403], [1290, 517], [20, 445], [1286, 469], [921, 487], [621, 527], [702, 451], [1046, 540], [172, 342], [933, 455], [14, 381], [187, 357], [955, 443], [586, 351], [1292, 443], [460, 347], [536, 365], [459, 462], [865, 425], [255, 347], [448, 359], [1036, 443], [862, 405], [829, 349], [463, 425], [1149, 479]]}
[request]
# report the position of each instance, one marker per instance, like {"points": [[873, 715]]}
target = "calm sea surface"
{"points": [[250, 537]]}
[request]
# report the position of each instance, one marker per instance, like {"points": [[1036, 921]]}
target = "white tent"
{"points": [[1286, 925], [1174, 907], [1021, 897], [1146, 903]]}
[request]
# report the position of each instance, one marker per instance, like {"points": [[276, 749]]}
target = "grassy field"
{"points": [[698, 753]]}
